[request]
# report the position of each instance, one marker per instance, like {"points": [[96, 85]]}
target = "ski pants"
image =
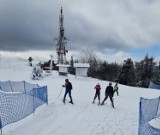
{"points": [[67, 92], [116, 91], [97, 94], [110, 96]]}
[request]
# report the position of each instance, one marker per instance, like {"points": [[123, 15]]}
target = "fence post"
{"points": [[10, 85], [158, 106], [140, 115], [46, 94], [1, 125], [24, 87], [33, 101]]}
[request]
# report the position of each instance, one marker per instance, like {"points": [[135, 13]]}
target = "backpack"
{"points": [[69, 85]]}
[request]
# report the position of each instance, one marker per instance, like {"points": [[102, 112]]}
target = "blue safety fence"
{"points": [[17, 86], [19, 99], [149, 109], [154, 85]]}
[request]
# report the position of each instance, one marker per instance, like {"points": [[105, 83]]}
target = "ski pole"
{"points": [[60, 93]]}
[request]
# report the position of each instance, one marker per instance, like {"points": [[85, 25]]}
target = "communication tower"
{"points": [[61, 41]]}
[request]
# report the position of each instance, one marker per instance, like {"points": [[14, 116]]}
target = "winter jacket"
{"points": [[109, 91], [115, 87], [68, 86], [97, 87]]}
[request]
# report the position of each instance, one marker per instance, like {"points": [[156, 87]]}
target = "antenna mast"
{"points": [[61, 41]]}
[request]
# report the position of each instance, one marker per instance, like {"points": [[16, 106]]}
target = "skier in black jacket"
{"points": [[68, 86], [109, 93]]}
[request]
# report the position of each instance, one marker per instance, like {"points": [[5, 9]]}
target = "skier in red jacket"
{"points": [[97, 94]]}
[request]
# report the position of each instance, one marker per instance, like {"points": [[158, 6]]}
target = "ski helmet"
{"points": [[66, 80]]}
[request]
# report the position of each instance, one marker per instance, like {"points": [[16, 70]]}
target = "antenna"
{"points": [[61, 41]]}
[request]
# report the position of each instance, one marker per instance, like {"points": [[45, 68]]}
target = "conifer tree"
{"points": [[156, 78], [127, 73], [144, 71]]}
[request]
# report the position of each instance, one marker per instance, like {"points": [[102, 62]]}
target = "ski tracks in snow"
{"points": [[92, 119], [81, 118]]}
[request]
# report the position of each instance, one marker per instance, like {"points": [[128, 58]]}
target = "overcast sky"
{"points": [[112, 28]]}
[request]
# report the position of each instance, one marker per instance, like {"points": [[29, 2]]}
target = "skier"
{"points": [[109, 93], [97, 94], [39, 72], [68, 87], [34, 73], [30, 61], [116, 89]]}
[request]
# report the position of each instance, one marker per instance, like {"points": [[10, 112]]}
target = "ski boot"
{"points": [[99, 103], [112, 104], [64, 101], [71, 102]]}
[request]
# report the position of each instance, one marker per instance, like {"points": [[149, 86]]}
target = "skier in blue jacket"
{"points": [[68, 87]]}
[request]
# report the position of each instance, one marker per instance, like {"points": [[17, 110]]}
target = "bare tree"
{"points": [[87, 55]]}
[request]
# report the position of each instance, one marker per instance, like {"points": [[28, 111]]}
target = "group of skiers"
{"points": [[109, 92], [36, 72]]}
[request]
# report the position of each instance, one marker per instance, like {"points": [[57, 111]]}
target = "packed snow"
{"points": [[81, 118]]}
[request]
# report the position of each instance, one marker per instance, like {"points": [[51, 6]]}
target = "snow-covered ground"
{"points": [[82, 118]]}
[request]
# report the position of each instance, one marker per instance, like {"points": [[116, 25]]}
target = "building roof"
{"points": [[82, 65], [62, 65]]}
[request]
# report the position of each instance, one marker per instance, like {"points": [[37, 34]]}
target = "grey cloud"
{"points": [[26, 26], [32, 25]]}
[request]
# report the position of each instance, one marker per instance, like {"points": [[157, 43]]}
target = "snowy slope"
{"points": [[82, 118]]}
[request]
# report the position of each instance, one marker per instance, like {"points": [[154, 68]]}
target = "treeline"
{"points": [[129, 73]]}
